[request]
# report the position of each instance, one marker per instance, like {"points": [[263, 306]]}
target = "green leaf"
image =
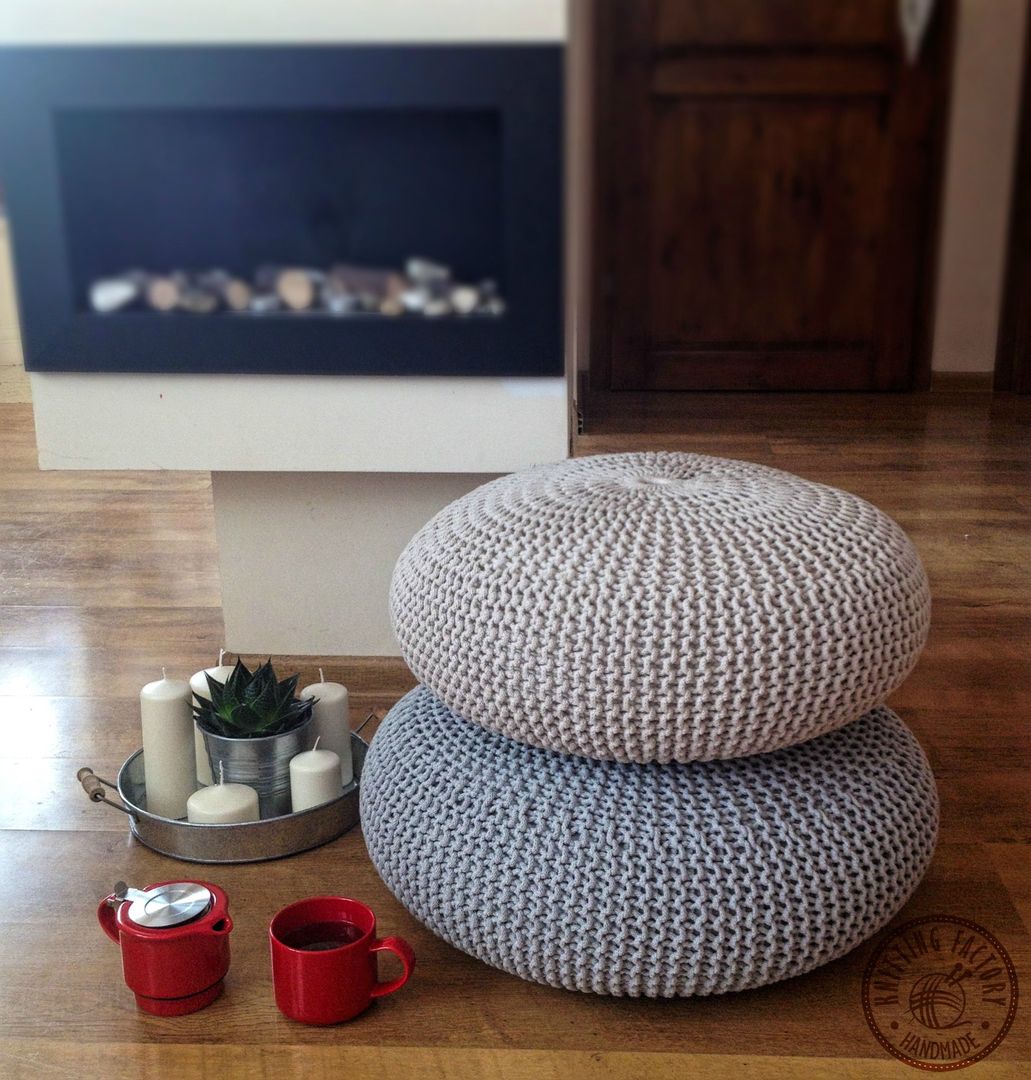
{"points": [[265, 704], [215, 688], [238, 680]]}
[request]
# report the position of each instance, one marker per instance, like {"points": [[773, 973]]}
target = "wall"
{"points": [[14, 383], [978, 180], [118, 22]]}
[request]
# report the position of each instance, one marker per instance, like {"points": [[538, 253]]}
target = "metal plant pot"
{"points": [[263, 764]]}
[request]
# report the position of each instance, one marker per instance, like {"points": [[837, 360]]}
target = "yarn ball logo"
{"points": [[937, 1001], [940, 993]]}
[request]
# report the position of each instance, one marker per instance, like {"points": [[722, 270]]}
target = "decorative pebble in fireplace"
{"points": [[425, 288]]}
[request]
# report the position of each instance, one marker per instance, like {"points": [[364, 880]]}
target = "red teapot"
{"points": [[174, 938]]}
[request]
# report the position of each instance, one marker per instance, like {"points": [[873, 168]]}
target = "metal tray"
{"points": [[252, 841]]}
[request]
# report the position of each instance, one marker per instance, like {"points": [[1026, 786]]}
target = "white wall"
{"points": [[126, 21], [978, 179], [14, 383]]}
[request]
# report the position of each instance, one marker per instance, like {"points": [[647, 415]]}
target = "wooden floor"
{"points": [[104, 578]]}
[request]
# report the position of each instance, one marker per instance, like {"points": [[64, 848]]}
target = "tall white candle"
{"points": [[199, 686], [168, 750], [314, 778], [332, 722], [223, 804]]}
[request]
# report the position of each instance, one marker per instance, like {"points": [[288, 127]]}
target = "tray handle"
{"points": [[96, 788]]}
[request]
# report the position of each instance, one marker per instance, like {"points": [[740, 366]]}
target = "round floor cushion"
{"points": [[656, 880], [660, 607], [647, 879]]}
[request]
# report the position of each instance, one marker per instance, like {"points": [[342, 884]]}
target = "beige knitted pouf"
{"points": [[660, 607]]}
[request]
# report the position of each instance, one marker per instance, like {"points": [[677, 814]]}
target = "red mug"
{"points": [[324, 959]]}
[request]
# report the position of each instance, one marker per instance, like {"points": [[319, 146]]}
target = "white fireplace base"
{"points": [[306, 558]]}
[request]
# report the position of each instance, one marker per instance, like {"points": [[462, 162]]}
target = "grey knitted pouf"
{"points": [[660, 607], [656, 880]]}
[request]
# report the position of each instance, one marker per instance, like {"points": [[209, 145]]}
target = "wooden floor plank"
{"points": [[29, 1059]]}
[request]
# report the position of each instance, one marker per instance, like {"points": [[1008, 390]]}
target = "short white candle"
{"points": [[332, 722], [168, 750], [223, 804], [199, 686], [314, 778]]}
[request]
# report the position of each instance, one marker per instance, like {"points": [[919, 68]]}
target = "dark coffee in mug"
{"points": [[321, 936]]}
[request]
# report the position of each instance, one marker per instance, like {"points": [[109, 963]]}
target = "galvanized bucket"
{"points": [[263, 764]]}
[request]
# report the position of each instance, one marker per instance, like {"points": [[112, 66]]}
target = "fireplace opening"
{"points": [[346, 210], [379, 213]]}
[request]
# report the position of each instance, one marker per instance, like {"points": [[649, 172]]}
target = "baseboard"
{"points": [[979, 381]]}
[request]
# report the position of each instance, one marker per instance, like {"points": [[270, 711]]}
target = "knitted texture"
{"points": [[660, 607], [655, 880]]}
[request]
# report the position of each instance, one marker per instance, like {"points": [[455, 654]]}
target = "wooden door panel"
{"points": [[785, 75], [773, 22], [810, 368], [768, 177], [786, 203]]}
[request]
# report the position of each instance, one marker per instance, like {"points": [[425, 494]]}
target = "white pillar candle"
{"points": [[332, 722], [314, 778], [223, 804], [168, 750], [199, 686]]}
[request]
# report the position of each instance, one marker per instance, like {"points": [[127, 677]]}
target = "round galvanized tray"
{"points": [[252, 841]]}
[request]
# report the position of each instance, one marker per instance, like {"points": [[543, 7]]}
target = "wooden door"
{"points": [[768, 185]]}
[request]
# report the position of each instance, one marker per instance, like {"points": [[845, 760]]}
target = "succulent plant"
{"points": [[252, 705]]}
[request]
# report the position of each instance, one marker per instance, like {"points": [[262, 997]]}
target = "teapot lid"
{"points": [[168, 905]]}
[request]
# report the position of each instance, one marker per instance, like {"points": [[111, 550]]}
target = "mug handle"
{"points": [[403, 951]]}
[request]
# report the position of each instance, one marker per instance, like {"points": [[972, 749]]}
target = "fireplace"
{"points": [[366, 210]]}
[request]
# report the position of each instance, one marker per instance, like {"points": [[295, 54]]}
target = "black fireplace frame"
{"points": [[522, 82]]}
